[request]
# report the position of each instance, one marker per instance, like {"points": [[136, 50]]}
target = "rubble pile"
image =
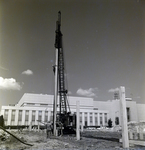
{"points": [[117, 128], [136, 126], [98, 139]]}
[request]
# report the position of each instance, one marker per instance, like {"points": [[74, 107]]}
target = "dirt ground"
{"points": [[67, 142]]}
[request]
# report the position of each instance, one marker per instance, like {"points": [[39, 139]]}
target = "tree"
{"points": [[110, 123], [1, 121], [117, 120]]}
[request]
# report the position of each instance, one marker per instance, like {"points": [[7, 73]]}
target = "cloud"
{"points": [[28, 72], [9, 84], [91, 92], [113, 90], [3, 68]]}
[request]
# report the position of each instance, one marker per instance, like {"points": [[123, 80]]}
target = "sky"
{"points": [[103, 42]]}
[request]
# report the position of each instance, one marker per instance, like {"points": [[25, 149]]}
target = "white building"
{"points": [[33, 107]]}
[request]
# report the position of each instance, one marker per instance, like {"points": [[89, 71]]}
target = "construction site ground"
{"points": [[90, 140]]}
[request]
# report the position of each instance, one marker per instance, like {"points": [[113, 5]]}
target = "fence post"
{"points": [[130, 135], [30, 126], [141, 136], [38, 127]]}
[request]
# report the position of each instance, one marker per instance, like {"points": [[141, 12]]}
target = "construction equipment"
{"points": [[63, 116]]}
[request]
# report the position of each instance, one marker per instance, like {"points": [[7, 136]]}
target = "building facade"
{"points": [[38, 107]]}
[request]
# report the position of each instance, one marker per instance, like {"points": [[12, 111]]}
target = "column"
{"points": [[30, 117], [83, 118], [43, 115], [103, 119], [9, 117], [23, 117], [88, 119], [16, 116], [93, 115], [98, 118], [36, 117]]}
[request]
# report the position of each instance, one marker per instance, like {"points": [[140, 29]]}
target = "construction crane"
{"points": [[63, 116]]}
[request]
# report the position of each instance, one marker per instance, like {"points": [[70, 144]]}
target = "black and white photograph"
{"points": [[72, 74]]}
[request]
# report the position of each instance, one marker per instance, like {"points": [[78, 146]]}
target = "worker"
{"points": [[48, 129], [51, 126]]}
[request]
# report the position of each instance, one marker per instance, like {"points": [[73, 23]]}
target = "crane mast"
{"points": [[62, 92], [63, 116]]}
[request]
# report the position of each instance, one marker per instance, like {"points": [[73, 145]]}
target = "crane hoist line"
{"points": [[63, 116]]}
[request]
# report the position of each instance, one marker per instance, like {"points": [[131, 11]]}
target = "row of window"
{"points": [[26, 115], [51, 116]]}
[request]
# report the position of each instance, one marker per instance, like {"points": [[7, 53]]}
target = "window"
{"points": [[13, 115], [80, 119], [39, 115], [6, 115], [51, 116], [27, 115], [105, 115], [46, 116], [91, 119], [85, 121], [33, 115], [96, 120], [128, 114], [20, 116], [101, 120]]}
